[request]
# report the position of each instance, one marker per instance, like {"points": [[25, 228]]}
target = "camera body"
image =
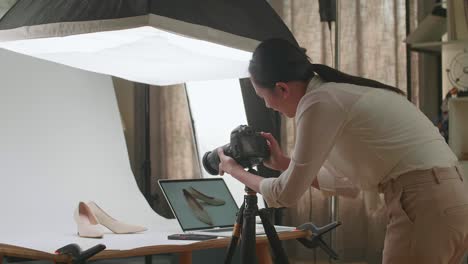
{"points": [[247, 147]]}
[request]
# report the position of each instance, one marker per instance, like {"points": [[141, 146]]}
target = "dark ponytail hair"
{"points": [[277, 60]]}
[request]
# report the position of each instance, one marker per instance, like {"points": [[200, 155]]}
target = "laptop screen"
{"points": [[200, 203]]}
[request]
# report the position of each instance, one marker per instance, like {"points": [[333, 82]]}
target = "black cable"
{"points": [[466, 12], [331, 44]]}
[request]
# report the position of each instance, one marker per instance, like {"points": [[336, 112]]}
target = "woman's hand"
{"points": [[277, 160], [227, 164], [230, 166]]}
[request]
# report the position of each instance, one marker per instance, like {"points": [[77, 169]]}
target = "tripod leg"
{"points": [[248, 229], [277, 248], [235, 235]]}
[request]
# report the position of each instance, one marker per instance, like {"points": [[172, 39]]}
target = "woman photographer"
{"points": [[353, 132]]}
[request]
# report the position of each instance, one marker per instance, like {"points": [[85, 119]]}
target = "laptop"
{"points": [[205, 206]]}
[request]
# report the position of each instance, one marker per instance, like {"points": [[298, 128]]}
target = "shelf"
{"points": [[463, 164], [434, 47], [460, 99]]}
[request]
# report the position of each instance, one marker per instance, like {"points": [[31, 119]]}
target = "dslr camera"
{"points": [[247, 147]]}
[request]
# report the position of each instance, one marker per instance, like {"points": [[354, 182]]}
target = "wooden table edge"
{"points": [[21, 252]]}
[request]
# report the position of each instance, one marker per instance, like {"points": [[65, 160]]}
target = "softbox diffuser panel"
{"points": [[144, 55]]}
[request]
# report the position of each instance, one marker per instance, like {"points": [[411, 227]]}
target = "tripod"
{"points": [[245, 225]]}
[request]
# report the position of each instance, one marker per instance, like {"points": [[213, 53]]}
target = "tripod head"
{"points": [[246, 188]]}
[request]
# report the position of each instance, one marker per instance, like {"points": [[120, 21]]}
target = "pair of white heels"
{"points": [[89, 217]]}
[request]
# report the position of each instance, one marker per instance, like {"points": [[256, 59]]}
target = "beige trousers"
{"points": [[428, 217]]}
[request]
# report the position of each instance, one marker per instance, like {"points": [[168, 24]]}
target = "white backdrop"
{"points": [[61, 142]]}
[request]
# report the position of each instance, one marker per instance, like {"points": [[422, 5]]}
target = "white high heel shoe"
{"points": [[87, 223], [112, 224]]}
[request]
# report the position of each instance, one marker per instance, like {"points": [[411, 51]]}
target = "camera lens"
{"points": [[211, 162]]}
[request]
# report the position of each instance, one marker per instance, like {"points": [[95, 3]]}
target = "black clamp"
{"points": [[316, 239], [79, 257]]}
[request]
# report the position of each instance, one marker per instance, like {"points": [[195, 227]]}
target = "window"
{"points": [[217, 108]]}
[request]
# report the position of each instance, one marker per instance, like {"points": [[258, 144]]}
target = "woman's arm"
{"points": [[318, 126], [324, 181]]}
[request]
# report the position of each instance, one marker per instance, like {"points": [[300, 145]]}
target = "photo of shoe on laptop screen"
{"points": [[204, 206]]}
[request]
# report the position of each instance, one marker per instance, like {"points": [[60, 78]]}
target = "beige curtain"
{"points": [[172, 146], [172, 149], [372, 46]]}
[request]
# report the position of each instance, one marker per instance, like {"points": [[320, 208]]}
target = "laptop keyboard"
{"points": [[218, 230], [258, 229]]}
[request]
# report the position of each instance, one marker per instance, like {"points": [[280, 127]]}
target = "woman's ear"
{"points": [[283, 89]]}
